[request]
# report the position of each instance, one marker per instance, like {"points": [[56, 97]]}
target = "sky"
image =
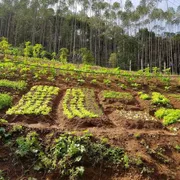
{"points": [[164, 4]]}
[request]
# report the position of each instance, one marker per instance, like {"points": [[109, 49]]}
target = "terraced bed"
{"points": [[80, 103], [37, 101]]}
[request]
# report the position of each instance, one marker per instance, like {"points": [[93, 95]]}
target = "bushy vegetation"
{"points": [[5, 100], [17, 85], [169, 116], [66, 154]]}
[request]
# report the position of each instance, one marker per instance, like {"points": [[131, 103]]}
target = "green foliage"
{"points": [[177, 147], [53, 55], [64, 55], [169, 116], [36, 101], [37, 50], [80, 103], [17, 128], [113, 60], [68, 153], [1, 175], [3, 121], [87, 57], [107, 82], [117, 95], [144, 96], [159, 99], [17, 85], [93, 81], [28, 145], [4, 46], [28, 49], [5, 101]]}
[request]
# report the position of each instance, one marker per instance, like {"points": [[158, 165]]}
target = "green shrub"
{"points": [[169, 116], [5, 100], [159, 99]]}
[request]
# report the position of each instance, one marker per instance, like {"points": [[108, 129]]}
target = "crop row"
{"points": [[17, 85], [80, 103], [36, 101]]}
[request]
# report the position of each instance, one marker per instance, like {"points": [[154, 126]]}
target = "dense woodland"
{"points": [[137, 37]]}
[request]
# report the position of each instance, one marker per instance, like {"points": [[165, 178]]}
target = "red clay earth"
{"points": [[140, 138]]}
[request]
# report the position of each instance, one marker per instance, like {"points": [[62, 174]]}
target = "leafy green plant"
{"points": [[2, 175], [17, 128], [144, 96], [123, 86], [93, 81], [169, 116], [36, 101], [177, 147], [63, 55], [68, 153], [5, 101], [107, 82], [123, 96], [37, 49], [28, 145], [3, 121], [17, 85], [80, 103], [28, 49], [159, 99], [4, 47]]}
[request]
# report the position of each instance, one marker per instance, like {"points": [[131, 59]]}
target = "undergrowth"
{"points": [[67, 153]]}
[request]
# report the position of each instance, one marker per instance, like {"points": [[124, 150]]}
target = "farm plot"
{"points": [[80, 103], [37, 101], [112, 100]]}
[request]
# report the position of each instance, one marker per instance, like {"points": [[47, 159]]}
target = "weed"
{"points": [[93, 81], [177, 147], [107, 82], [137, 135]]}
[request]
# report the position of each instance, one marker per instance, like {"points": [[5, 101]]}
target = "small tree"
{"points": [[113, 60], [87, 57], [63, 55], [4, 47], [43, 54], [37, 49], [53, 55], [27, 49]]}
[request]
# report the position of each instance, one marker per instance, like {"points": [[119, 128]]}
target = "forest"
{"points": [[134, 37]]}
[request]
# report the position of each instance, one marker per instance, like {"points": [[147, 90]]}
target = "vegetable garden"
{"points": [[125, 123]]}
